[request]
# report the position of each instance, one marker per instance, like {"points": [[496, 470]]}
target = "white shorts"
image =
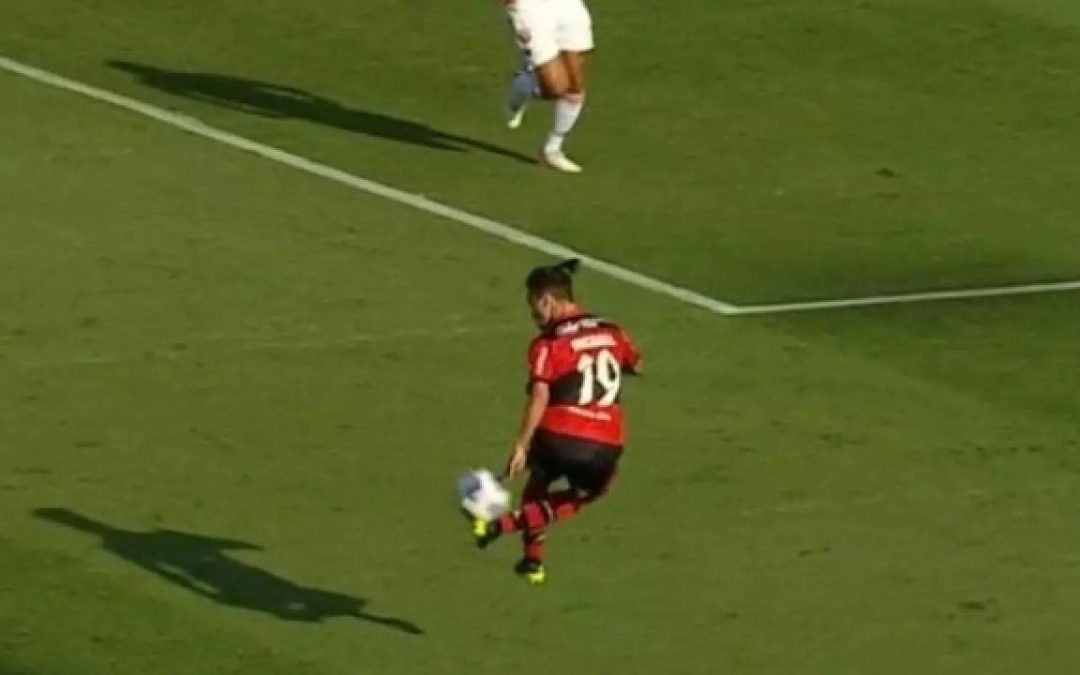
{"points": [[543, 28]]}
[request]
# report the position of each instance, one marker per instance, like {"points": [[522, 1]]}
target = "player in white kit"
{"points": [[554, 37]]}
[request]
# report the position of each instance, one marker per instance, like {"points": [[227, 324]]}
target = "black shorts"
{"points": [[588, 466]]}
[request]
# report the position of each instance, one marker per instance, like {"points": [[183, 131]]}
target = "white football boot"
{"points": [[559, 162], [514, 118]]}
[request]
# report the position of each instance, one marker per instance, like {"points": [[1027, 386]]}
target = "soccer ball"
{"points": [[482, 495]]}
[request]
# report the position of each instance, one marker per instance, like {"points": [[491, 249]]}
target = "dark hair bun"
{"points": [[569, 266]]}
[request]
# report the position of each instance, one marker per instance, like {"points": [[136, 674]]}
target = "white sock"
{"points": [[522, 89], [567, 110]]}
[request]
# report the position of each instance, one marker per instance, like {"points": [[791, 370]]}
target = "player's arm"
{"points": [[540, 374], [539, 397]]}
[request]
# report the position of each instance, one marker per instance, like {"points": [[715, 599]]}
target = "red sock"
{"points": [[536, 490], [538, 514], [508, 522], [534, 544], [565, 504]]}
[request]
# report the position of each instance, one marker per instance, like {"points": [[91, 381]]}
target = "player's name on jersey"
{"points": [[588, 342]]}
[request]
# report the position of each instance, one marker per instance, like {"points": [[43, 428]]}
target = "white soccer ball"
{"points": [[482, 495]]}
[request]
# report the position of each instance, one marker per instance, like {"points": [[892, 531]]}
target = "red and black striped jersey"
{"points": [[583, 359]]}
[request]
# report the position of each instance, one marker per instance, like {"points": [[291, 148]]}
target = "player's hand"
{"points": [[518, 459]]}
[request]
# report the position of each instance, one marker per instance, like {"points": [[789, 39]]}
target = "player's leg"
{"points": [[533, 516], [552, 80], [590, 476], [543, 471], [568, 109], [534, 530], [535, 27], [548, 80], [523, 89], [531, 521], [575, 40], [574, 64], [588, 467]]}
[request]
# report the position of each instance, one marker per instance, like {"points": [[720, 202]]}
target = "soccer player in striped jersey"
{"points": [[572, 426]]}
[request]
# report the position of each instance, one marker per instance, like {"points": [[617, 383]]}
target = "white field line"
{"points": [[911, 298], [416, 201], [501, 230]]}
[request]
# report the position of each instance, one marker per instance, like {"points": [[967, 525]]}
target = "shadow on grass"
{"points": [[267, 99], [202, 565]]}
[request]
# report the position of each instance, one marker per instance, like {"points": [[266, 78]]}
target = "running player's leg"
{"points": [[548, 80], [523, 88], [541, 74], [575, 41], [552, 80], [568, 109], [574, 64]]}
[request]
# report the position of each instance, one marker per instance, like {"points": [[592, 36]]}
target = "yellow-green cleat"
{"points": [[479, 527], [484, 532], [532, 571]]}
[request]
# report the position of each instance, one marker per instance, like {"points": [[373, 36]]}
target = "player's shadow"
{"points": [[277, 101], [203, 566]]}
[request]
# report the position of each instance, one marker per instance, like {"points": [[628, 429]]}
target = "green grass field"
{"points": [[235, 396]]}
